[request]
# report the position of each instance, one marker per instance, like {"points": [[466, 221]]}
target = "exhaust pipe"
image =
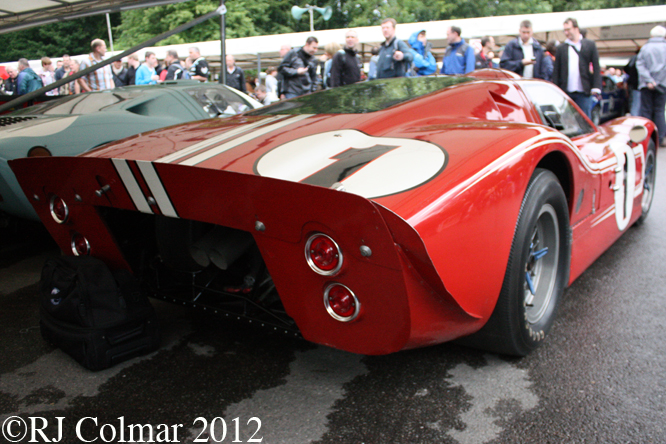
{"points": [[222, 246]]}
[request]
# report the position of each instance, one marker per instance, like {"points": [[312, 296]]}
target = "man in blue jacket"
{"points": [[424, 62], [525, 56], [459, 56]]}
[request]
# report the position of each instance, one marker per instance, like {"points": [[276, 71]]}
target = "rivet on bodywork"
{"points": [[152, 201], [78, 198], [259, 226], [36, 197], [106, 188], [365, 251]]}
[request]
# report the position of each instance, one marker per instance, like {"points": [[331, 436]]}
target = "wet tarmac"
{"points": [[599, 377]]}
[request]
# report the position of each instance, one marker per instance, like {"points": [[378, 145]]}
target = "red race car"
{"points": [[373, 218]]}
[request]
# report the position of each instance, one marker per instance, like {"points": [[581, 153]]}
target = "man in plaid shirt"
{"points": [[103, 77]]}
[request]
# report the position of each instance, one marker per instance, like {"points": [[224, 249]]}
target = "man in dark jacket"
{"points": [[235, 75], [175, 71], [524, 55], [346, 66], [299, 69], [580, 83], [27, 80], [632, 84], [120, 74], [395, 56]]}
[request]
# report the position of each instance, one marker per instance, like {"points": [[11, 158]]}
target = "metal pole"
{"points": [[311, 19], [223, 50], [258, 68], [108, 26], [26, 97]]}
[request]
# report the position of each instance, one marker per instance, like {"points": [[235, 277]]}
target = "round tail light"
{"points": [[341, 303], [80, 245], [39, 151], [323, 254], [59, 210]]}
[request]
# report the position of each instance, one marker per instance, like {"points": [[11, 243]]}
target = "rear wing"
{"points": [[404, 302]]}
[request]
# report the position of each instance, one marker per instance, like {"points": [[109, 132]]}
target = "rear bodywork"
{"points": [[422, 198]]}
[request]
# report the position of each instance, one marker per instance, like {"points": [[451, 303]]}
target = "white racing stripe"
{"points": [[132, 185], [156, 188], [215, 140], [240, 140]]}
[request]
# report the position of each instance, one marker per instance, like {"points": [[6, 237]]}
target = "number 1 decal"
{"points": [[365, 165], [349, 161], [625, 183]]}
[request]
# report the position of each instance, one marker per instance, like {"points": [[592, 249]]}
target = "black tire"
{"points": [[649, 181], [595, 116], [514, 328]]}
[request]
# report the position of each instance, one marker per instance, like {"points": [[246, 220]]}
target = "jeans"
{"points": [[652, 107], [584, 101], [635, 102]]}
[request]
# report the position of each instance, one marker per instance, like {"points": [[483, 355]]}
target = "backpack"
{"points": [[460, 50], [82, 291], [98, 317], [180, 73]]}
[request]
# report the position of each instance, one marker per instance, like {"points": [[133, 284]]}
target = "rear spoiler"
{"points": [[400, 291]]}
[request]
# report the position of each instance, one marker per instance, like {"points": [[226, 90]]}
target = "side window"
{"points": [[555, 109], [219, 101]]}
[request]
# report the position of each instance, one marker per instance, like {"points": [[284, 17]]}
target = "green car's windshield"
{"points": [[81, 103], [364, 97]]}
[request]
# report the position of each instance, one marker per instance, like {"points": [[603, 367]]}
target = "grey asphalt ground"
{"points": [[599, 378]]}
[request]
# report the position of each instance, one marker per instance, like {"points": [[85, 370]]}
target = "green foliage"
{"points": [[55, 39], [582, 5], [372, 12], [244, 18]]}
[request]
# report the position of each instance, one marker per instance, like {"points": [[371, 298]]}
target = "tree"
{"points": [[244, 18], [55, 39]]}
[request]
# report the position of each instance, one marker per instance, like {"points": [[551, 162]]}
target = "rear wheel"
{"points": [[536, 275]]}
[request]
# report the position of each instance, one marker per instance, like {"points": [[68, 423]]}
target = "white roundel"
{"points": [[365, 165]]}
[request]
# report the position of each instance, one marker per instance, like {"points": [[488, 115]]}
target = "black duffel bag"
{"points": [[98, 317]]}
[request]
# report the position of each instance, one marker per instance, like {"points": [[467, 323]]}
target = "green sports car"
{"points": [[74, 124]]}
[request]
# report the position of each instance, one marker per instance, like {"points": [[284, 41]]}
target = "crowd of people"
{"points": [[573, 65], [22, 79]]}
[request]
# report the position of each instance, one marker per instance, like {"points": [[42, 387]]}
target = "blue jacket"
{"points": [[28, 81], [424, 62], [144, 75], [457, 63]]}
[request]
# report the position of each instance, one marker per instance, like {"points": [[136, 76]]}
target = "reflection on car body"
{"points": [[77, 123]]}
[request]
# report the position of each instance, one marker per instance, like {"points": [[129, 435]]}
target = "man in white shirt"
{"points": [[573, 61]]}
